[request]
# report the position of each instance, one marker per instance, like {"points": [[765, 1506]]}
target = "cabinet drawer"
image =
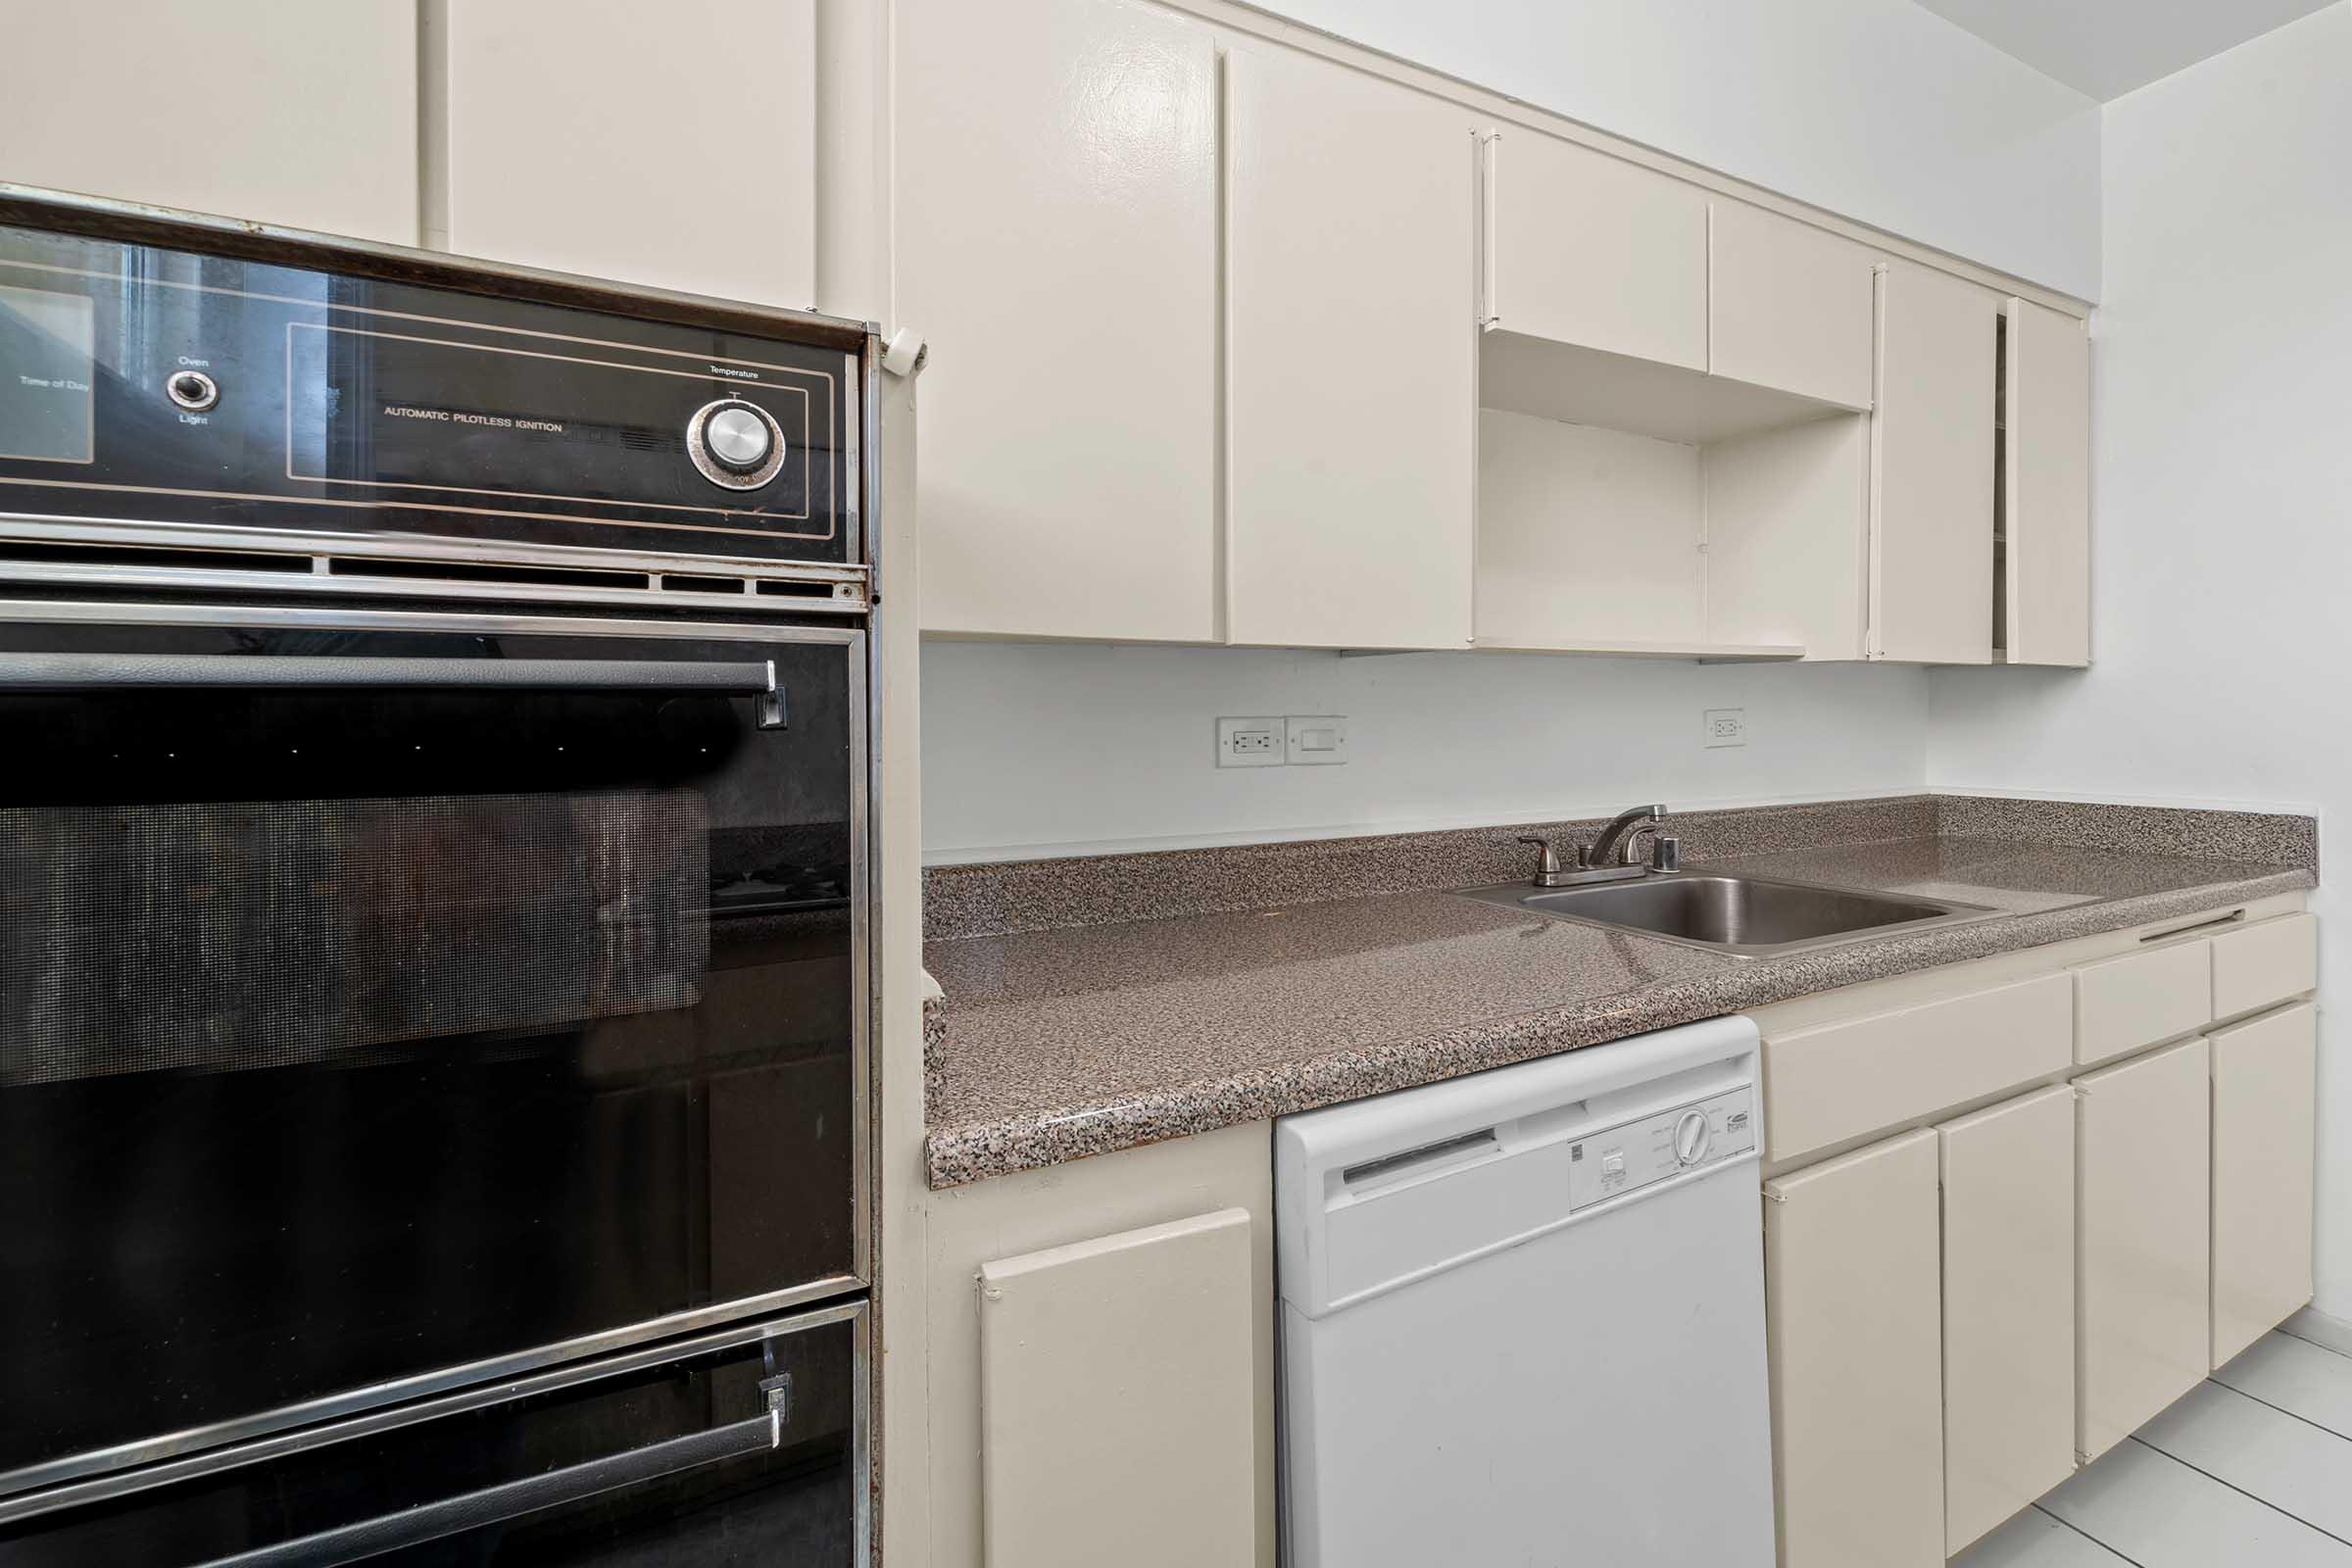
{"points": [[2141, 1000], [1843, 1080], [2264, 963]]}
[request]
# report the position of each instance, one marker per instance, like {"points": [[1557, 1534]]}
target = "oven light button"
{"points": [[192, 390], [735, 444]]}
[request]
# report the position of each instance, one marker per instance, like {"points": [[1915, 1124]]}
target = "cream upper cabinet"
{"points": [[2144, 1202], [1851, 1284], [670, 145], [284, 112], [1932, 470], [1788, 305], [2046, 486], [1588, 249], [2263, 1109], [1057, 221], [1351, 389], [2008, 1309]]}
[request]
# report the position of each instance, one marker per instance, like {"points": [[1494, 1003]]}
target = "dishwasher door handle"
{"points": [[79, 672]]}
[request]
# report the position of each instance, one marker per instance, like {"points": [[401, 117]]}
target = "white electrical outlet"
{"points": [[1725, 727], [1252, 742], [1317, 740]]}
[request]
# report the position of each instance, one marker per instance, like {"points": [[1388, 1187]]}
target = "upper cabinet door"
{"points": [[673, 145], [1588, 249], [1056, 245], [2046, 475], [284, 112], [1788, 305], [1351, 389], [1932, 473]]}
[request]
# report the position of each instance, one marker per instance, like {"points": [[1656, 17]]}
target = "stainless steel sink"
{"points": [[1741, 916]]}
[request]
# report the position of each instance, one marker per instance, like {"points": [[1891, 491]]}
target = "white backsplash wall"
{"points": [[1876, 108], [1034, 749], [2222, 496]]}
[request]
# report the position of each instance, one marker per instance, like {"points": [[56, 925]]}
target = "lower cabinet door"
{"points": [[2008, 1309], [2144, 1210], [1118, 1383], [2263, 1105], [1856, 1349]]}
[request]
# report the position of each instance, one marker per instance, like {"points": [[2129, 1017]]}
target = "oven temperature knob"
{"points": [[1693, 1137], [735, 444]]}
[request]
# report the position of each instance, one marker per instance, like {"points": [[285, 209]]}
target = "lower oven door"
{"points": [[737, 1448], [388, 1004]]}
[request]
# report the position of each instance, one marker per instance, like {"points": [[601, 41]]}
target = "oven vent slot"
{"points": [[470, 571], [321, 567]]}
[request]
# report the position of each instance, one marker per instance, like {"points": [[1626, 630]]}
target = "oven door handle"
{"points": [[512, 1500], [73, 672]]}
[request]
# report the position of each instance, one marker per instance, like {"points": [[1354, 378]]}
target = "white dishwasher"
{"points": [[1523, 1316]]}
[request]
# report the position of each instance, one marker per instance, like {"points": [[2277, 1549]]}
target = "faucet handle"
{"points": [[1548, 864], [1665, 853]]}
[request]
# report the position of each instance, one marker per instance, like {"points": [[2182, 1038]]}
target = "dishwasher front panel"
{"points": [[1594, 1397]]}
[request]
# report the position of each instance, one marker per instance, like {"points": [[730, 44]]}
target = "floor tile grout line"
{"points": [[2240, 1491], [2285, 1331], [2087, 1535], [2319, 1426]]}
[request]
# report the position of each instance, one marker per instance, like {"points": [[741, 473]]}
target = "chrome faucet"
{"points": [[1618, 836], [1592, 862]]}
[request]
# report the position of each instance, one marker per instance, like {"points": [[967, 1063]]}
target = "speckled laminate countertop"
{"points": [[1054, 1045]]}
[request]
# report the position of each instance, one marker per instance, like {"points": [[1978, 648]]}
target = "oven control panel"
{"points": [[144, 382]]}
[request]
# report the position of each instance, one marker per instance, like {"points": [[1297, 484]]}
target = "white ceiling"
{"points": [[2108, 47]]}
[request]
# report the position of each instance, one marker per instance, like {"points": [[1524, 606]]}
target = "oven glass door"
{"points": [[384, 1009]]}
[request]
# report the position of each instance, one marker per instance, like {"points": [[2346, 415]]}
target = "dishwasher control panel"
{"points": [[1629, 1156]]}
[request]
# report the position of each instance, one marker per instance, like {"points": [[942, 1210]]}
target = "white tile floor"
{"points": [[2253, 1467]]}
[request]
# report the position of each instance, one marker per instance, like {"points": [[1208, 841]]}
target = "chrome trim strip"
{"points": [[261, 1450], [488, 273], [95, 574], [77, 612], [865, 535], [253, 539]]}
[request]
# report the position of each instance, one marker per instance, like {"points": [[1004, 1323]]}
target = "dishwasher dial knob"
{"points": [[735, 444], [1693, 1137]]}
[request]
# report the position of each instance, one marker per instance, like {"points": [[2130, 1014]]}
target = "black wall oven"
{"points": [[435, 967]]}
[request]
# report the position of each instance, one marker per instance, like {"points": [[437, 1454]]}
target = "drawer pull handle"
{"points": [[2234, 917]]}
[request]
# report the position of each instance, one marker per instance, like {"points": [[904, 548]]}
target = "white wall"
{"points": [[1032, 747], [2222, 545], [1879, 110]]}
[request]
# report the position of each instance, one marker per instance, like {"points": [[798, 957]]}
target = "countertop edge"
{"points": [[961, 1153]]}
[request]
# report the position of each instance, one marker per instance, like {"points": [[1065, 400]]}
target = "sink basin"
{"points": [[1745, 917]]}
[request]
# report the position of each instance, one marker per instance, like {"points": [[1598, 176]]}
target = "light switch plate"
{"points": [[1725, 727], [1250, 741], [1317, 740]]}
